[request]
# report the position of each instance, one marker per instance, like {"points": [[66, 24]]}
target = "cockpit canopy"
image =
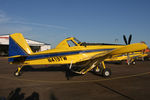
{"points": [[72, 41], [69, 42]]}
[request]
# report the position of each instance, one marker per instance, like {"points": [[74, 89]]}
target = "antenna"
{"points": [[116, 40]]}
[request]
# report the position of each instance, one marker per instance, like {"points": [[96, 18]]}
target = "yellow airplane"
{"points": [[69, 51]]}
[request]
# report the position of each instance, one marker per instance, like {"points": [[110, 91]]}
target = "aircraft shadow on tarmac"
{"points": [[63, 68], [18, 95], [44, 69]]}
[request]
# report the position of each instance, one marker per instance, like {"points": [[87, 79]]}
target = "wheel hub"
{"points": [[107, 73], [16, 73], [97, 70]]}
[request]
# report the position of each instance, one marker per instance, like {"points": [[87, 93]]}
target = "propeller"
{"points": [[127, 43], [125, 39], [129, 39]]}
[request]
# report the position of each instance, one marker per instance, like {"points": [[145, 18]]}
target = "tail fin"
{"points": [[18, 45]]}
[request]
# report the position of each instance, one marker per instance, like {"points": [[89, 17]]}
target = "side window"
{"points": [[71, 43]]}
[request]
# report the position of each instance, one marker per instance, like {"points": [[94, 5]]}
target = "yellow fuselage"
{"points": [[68, 55]]}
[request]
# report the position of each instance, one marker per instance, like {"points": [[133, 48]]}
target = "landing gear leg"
{"points": [[131, 61], [18, 71]]}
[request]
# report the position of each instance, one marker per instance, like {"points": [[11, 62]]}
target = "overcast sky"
{"points": [[51, 21]]}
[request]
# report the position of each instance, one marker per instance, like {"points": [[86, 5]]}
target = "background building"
{"points": [[36, 46]]}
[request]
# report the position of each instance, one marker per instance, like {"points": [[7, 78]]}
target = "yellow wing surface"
{"points": [[126, 49], [129, 48], [125, 57]]}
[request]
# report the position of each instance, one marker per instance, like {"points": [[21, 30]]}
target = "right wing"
{"points": [[126, 49], [102, 56]]}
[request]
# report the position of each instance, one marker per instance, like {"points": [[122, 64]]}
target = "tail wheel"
{"points": [[106, 72], [16, 73]]}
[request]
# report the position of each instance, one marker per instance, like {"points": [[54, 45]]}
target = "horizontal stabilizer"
{"points": [[17, 56]]}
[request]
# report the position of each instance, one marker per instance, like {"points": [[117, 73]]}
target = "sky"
{"points": [[98, 21]]}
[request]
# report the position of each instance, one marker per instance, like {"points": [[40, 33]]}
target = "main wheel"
{"points": [[133, 62], [106, 72]]}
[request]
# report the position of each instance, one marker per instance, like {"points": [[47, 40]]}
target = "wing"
{"points": [[102, 56], [126, 49]]}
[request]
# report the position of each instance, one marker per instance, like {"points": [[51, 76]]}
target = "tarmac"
{"points": [[51, 82]]}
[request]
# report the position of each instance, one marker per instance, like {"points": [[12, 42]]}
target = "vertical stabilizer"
{"points": [[18, 45]]}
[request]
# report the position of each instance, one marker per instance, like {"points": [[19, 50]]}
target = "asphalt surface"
{"points": [[51, 83]]}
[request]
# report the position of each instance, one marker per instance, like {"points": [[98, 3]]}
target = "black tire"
{"points": [[106, 72], [146, 58]]}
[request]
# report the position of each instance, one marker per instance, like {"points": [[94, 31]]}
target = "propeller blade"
{"points": [[125, 39], [130, 38]]}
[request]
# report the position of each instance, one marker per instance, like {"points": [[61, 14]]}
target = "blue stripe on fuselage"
{"points": [[41, 56], [62, 54]]}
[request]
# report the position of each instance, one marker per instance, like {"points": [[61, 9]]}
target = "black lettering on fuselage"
{"points": [[57, 59]]}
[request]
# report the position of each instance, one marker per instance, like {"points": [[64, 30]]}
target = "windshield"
{"points": [[71, 43], [77, 40]]}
